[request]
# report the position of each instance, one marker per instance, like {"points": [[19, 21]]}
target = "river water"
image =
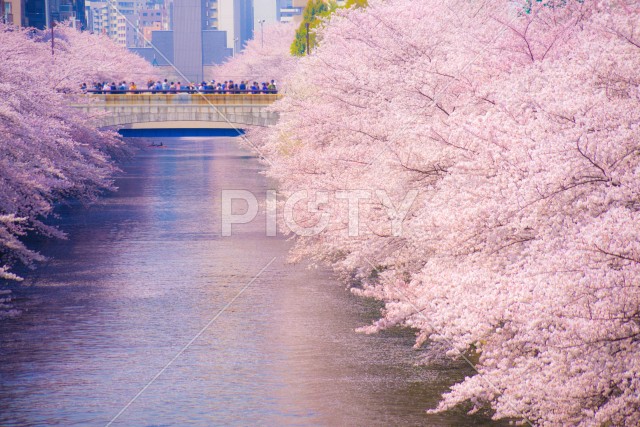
{"points": [[126, 323]]}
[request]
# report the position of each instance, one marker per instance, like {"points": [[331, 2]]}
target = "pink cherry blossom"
{"points": [[50, 151], [519, 129], [266, 57]]}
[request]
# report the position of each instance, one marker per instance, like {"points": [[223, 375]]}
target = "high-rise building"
{"points": [[210, 15], [149, 20], [125, 21], [40, 13], [35, 14], [190, 45], [291, 9], [267, 11], [97, 13], [115, 18], [246, 22], [187, 37], [236, 18], [11, 12]]}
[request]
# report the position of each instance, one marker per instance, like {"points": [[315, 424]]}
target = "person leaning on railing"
{"points": [[154, 87]]}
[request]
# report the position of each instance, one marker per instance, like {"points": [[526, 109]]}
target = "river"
{"points": [[146, 316]]}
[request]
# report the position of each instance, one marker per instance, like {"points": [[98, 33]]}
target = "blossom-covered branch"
{"points": [[50, 151], [518, 125]]}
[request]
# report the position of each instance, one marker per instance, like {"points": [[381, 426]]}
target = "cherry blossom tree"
{"points": [[517, 126], [266, 57], [50, 151], [86, 57]]}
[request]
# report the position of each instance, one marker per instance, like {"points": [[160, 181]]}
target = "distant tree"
{"points": [[313, 15], [261, 62], [356, 3], [81, 56]]}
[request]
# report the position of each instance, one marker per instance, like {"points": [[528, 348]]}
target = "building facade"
{"points": [[190, 45], [149, 20], [236, 18], [291, 10], [210, 15], [117, 19], [41, 14], [11, 12], [125, 20]]}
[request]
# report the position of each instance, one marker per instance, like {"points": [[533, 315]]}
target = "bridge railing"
{"points": [[183, 100]]}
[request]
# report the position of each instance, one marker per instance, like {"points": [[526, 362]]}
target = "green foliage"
{"points": [[314, 14], [357, 3]]}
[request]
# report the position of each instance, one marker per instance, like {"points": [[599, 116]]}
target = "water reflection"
{"points": [[146, 269]]}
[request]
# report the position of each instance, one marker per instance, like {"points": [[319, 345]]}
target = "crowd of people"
{"points": [[164, 87]]}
